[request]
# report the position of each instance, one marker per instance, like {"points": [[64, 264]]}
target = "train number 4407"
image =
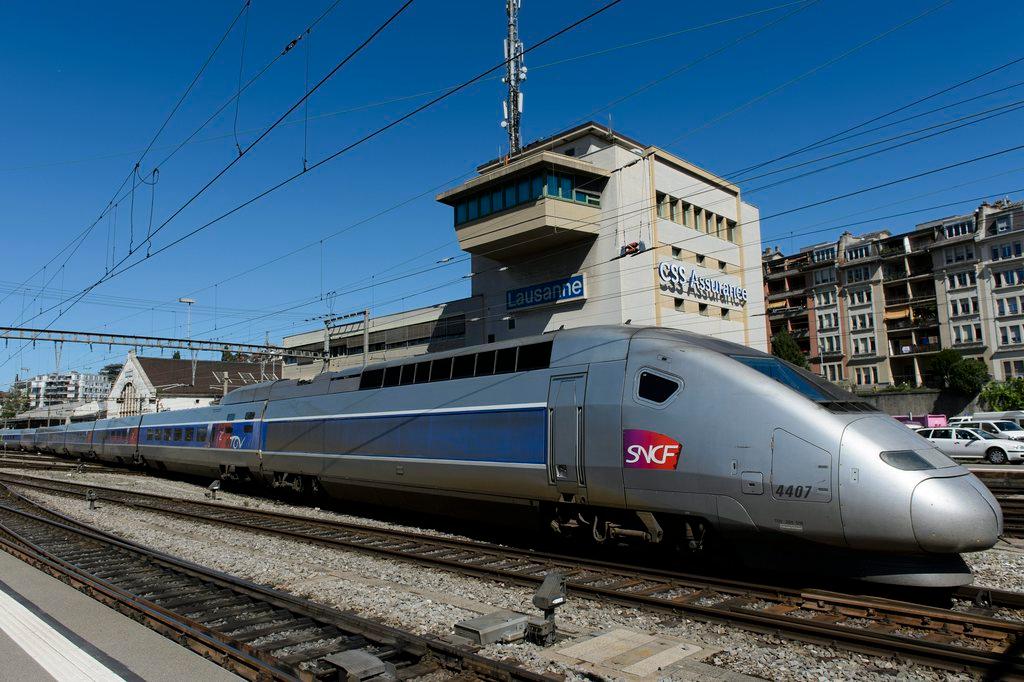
{"points": [[793, 491]]}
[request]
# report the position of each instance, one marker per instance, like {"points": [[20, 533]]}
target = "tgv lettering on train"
{"points": [[696, 284]]}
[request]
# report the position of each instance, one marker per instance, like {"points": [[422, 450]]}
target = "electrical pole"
{"points": [[515, 72], [188, 302]]}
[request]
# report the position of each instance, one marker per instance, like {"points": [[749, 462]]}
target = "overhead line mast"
{"points": [[515, 71]]}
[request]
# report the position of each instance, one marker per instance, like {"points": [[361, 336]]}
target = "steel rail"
{"points": [[255, 631], [866, 624]]}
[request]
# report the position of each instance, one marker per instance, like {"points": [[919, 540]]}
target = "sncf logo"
{"points": [[649, 450]]}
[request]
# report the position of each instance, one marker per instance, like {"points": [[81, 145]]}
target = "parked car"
{"points": [[1000, 428], [1016, 416], [963, 443]]}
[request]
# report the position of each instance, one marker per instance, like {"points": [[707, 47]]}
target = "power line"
{"points": [[327, 159]]}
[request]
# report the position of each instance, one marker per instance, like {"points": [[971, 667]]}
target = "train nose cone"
{"points": [[952, 515]]}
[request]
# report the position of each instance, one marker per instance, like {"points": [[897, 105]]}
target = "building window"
{"points": [[858, 252], [832, 371], [1014, 368], [676, 252], [725, 313], [823, 255], [959, 280], [702, 308], [1010, 334], [524, 190], [959, 228], [680, 305], [959, 253], [700, 259], [860, 274], [1008, 278], [1004, 223], [824, 276]]}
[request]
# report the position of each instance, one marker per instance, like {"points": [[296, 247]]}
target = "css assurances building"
{"points": [[585, 227]]}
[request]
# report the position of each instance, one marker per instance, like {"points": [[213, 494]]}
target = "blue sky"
{"points": [[88, 85]]}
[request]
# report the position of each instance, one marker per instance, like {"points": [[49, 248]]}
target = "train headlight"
{"points": [[907, 460]]}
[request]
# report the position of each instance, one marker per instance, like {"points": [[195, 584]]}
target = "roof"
{"points": [[173, 377], [590, 127]]}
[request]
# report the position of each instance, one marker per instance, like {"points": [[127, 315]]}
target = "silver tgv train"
{"points": [[615, 431]]}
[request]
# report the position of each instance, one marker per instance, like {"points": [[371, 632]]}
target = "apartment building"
{"points": [[879, 306], [56, 388]]}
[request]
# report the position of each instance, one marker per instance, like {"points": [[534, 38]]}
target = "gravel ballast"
{"points": [[430, 601]]}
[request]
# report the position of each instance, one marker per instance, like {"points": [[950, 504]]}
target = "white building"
{"points": [[65, 387], [147, 384], [589, 227]]}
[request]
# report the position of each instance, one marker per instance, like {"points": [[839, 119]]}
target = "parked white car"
{"points": [[963, 443], [1000, 428]]}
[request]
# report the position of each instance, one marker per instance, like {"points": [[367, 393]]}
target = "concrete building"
{"points": [[587, 227], [879, 306], [56, 388], [147, 384]]}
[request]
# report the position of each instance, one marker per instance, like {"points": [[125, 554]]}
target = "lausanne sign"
{"points": [[568, 289]]}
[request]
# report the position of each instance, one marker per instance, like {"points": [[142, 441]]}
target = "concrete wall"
{"points": [[925, 401]]}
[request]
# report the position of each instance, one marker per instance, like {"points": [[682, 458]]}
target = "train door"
{"points": [[565, 433]]}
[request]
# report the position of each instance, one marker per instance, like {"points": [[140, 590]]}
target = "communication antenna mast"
{"points": [[515, 72]]}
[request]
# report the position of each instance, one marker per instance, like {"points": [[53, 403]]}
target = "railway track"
{"points": [[258, 633], [872, 625]]}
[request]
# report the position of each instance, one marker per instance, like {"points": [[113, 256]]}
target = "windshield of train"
{"points": [[804, 383]]}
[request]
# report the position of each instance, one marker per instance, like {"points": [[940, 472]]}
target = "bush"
{"points": [[1005, 395], [968, 377]]}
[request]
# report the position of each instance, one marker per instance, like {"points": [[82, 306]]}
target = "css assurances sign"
{"points": [[558, 291], [698, 283]]}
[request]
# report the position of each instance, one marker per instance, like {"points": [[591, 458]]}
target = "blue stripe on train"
{"points": [[517, 436]]}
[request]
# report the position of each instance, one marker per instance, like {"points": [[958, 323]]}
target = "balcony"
{"points": [[830, 354], [772, 275], [916, 349], [896, 275], [784, 312], [529, 206], [916, 323], [893, 252], [781, 295]]}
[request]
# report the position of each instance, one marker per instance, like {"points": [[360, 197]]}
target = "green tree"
{"points": [[942, 366], [785, 347], [14, 402], [176, 355], [968, 377], [1004, 395], [228, 356]]}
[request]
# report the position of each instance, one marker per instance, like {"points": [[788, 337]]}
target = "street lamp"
{"points": [[189, 302]]}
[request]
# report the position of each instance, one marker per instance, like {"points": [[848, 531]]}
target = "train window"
{"points": [[408, 374], [506, 361], [201, 434], [441, 370], [534, 356], [422, 372], [231, 417], [247, 428], [189, 433], [655, 388], [485, 363], [463, 366], [167, 434], [229, 429], [371, 378], [804, 383], [250, 415], [149, 435], [177, 434], [392, 375]]}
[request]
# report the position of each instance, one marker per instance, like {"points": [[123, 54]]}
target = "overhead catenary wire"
{"points": [[369, 136]]}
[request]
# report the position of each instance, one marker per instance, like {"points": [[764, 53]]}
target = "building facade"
{"points": [[147, 384], [589, 227], [57, 388], [879, 306]]}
